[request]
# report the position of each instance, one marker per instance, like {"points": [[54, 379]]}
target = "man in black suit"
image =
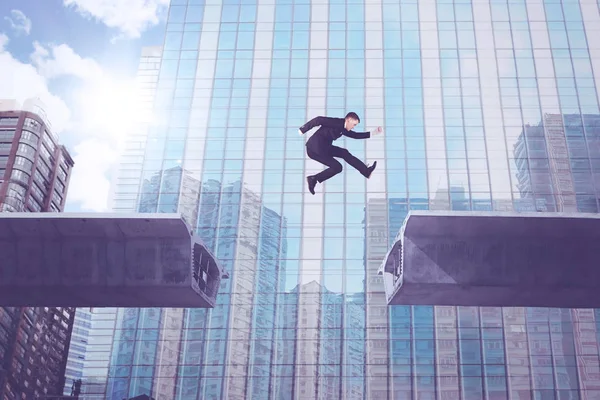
{"points": [[320, 146]]}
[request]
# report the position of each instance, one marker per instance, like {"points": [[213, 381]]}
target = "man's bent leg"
{"points": [[334, 168], [334, 165], [326, 159], [350, 159]]}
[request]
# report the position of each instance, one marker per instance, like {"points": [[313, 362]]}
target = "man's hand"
{"points": [[377, 131], [300, 132]]}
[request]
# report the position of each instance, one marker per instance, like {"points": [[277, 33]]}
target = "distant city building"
{"points": [[256, 237], [554, 165], [34, 177], [34, 168], [77, 348], [34, 344], [171, 180]]}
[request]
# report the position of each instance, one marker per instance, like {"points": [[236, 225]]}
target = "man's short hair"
{"points": [[353, 115]]}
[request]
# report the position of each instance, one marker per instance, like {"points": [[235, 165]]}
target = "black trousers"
{"points": [[325, 155]]}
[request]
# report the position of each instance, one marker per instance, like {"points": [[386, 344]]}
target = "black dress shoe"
{"points": [[312, 182], [371, 169]]}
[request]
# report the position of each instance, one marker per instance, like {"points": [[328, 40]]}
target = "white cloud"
{"points": [[21, 81], [102, 114], [3, 41], [19, 22], [55, 61], [131, 17], [106, 112], [109, 108], [89, 185], [98, 101]]}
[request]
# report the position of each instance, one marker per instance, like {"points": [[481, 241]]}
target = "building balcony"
{"points": [[495, 259], [104, 260]]}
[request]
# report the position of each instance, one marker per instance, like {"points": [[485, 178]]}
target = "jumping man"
{"points": [[320, 146]]}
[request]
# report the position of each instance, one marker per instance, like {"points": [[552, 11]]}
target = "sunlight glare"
{"points": [[114, 109]]}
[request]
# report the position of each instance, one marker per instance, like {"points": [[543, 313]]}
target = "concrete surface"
{"points": [[104, 260], [495, 259]]}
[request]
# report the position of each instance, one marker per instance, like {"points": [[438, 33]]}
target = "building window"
{"points": [[7, 136], [43, 167], [16, 191], [60, 187], [20, 176], [32, 123], [46, 154], [48, 142], [40, 179], [62, 173], [26, 150], [39, 193], [57, 198], [23, 164], [29, 137], [8, 121], [34, 205]]}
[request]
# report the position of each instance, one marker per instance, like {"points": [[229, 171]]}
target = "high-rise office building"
{"points": [[168, 359], [34, 177], [455, 85], [77, 348]]}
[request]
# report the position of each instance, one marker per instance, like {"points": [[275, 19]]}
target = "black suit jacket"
{"points": [[330, 129]]}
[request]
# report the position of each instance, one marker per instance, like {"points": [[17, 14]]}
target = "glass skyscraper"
{"points": [[77, 348], [486, 105]]}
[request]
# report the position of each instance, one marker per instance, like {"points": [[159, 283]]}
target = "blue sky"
{"points": [[76, 56]]}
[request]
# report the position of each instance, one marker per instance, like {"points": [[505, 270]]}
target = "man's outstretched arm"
{"points": [[321, 121], [357, 135], [363, 135]]}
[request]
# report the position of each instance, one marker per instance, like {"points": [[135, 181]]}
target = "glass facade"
{"points": [[125, 185], [77, 348], [486, 105]]}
